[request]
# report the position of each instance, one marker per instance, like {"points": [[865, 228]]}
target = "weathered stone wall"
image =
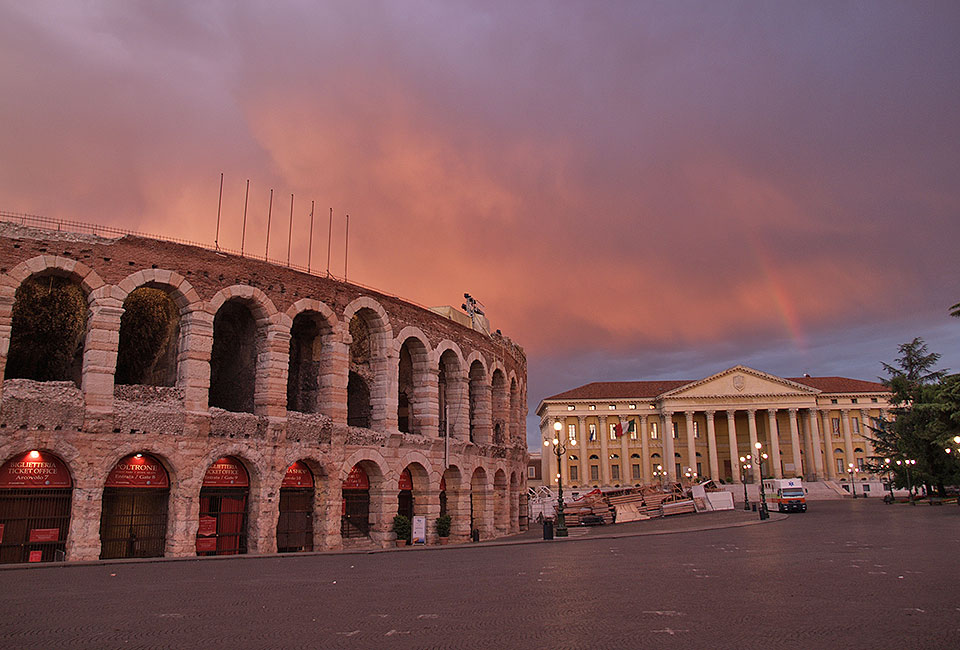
{"points": [[92, 427]]}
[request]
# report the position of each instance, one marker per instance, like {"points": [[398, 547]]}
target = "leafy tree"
{"points": [[913, 369], [49, 318]]}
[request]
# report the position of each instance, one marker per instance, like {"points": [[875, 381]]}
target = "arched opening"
{"points": [[517, 516], [501, 503], [448, 400], [453, 504], [133, 521], [307, 336], [47, 330], [411, 385], [233, 361], [478, 504], [223, 509], [475, 388], [405, 494], [358, 401], [35, 498], [295, 526], [501, 407], [443, 496], [514, 415], [149, 333], [355, 517], [362, 374]]}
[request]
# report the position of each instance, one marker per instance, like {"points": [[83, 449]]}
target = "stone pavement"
{"points": [[845, 574]]}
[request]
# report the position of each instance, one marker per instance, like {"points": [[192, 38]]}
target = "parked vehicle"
{"points": [[788, 494]]}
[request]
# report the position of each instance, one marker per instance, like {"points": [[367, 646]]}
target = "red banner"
{"points": [[208, 526], [226, 472], [36, 556], [138, 471], [44, 534], [298, 476], [34, 469], [406, 481], [356, 479], [206, 544]]}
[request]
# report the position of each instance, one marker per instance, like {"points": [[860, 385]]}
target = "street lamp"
{"points": [[763, 497], [559, 449], [744, 466], [956, 441], [886, 462], [907, 463], [853, 478], [663, 477]]}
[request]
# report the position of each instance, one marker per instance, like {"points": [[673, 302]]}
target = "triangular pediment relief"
{"points": [[740, 381]]}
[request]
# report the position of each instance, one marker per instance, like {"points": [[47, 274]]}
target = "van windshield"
{"points": [[793, 493]]}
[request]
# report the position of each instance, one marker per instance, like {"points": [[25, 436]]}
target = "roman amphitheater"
{"points": [[163, 399]]}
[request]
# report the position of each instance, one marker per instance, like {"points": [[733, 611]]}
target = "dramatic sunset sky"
{"points": [[635, 190]]}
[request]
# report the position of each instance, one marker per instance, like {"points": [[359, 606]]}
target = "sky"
{"points": [[634, 190]]}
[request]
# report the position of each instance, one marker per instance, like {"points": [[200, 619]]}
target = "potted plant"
{"points": [[443, 528], [401, 526]]}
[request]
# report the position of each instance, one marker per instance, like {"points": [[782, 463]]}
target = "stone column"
{"points": [[333, 378], [604, 451], [100, 362], [458, 408], [752, 427], [691, 442], [712, 446], [625, 476], [273, 363], [384, 391], [795, 443], [732, 438], [645, 450], [865, 433], [809, 474], [774, 443], [8, 288], [483, 426], [583, 454], [847, 438], [669, 459], [828, 445], [816, 437], [83, 534], [193, 362]]}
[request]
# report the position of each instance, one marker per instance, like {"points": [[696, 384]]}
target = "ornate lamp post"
{"points": [[853, 478], [907, 463], [956, 441], [663, 477], [559, 449], [744, 466], [764, 514], [886, 463]]}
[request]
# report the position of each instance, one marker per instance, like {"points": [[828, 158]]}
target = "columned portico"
{"points": [[691, 442], [712, 446], [604, 451]]}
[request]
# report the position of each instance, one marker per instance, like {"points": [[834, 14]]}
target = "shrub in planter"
{"points": [[402, 528], [443, 526]]}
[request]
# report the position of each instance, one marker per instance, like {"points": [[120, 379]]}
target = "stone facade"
{"points": [[91, 426], [810, 427]]}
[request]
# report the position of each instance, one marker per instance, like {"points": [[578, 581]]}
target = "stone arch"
{"points": [[481, 504], [457, 496], [500, 405], [515, 436], [260, 501], [247, 343], [86, 279], [517, 521], [416, 384], [383, 496], [371, 396], [452, 393], [478, 398], [313, 377], [501, 503]]}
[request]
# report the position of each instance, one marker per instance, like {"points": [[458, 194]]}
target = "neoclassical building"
{"points": [[194, 402], [619, 434]]}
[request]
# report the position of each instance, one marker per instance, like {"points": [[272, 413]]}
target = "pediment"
{"points": [[740, 381]]}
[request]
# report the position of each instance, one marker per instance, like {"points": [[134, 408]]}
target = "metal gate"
{"points": [[295, 526], [229, 507], [34, 524], [133, 523], [355, 521]]}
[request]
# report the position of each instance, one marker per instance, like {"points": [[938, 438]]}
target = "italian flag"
{"points": [[631, 427]]}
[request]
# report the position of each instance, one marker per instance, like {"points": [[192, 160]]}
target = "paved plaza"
{"points": [[847, 574]]}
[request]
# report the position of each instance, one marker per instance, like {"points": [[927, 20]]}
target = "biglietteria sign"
{"points": [[34, 470], [226, 472]]}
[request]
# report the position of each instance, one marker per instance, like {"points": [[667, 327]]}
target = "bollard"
{"points": [[548, 528]]}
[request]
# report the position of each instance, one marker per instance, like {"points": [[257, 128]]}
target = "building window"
{"points": [[833, 401], [653, 430], [593, 432], [696, 429], [613, 407], [679, 471], [675, 433], [615, 472], [573, 472], [572, 431], [635, 468], [853, 400], [873, 399], [699, 469], [860, 464], [531, 472], [613, 431], [592, 407], [569, 407], [594, 472], [855, 423], [633, 431], [835, 425], [841, 470], [632, 407]]}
